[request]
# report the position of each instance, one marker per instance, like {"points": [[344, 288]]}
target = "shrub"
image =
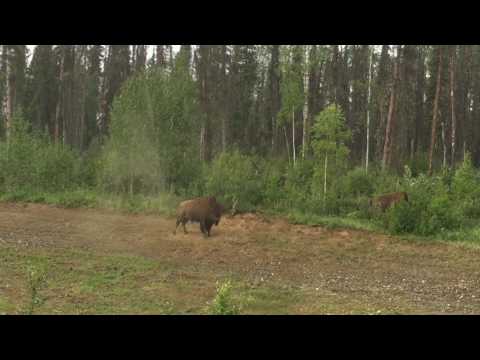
{"points": [[466, 189], [154, 124], [223, 303], [235, 177], [430, 210], [298, 180], [30, 163], [273, 182], [357, 183]]}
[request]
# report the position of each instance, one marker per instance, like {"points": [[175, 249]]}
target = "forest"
{"points": [[349, 176], [311, 132]]}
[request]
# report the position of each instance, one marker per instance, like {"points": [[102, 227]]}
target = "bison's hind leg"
{"points": [[183, 221], [176, 226]]}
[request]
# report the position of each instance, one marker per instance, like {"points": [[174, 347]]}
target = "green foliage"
{"points": [[29, 162], [151, 147], [297, 185], [404, 218], [223, 303], [273, 182], [357, 183], [36, 277], [431, 208], [466, 189], [234, 177], [292, 89], [352, 193], [419, 164], [329, 134], [329, 137]]}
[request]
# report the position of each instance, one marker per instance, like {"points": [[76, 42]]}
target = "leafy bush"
{"points": [[357, 183], [466, 189], [30, 163], [298, 179], [430, 210], [223, 303], [234, 177], [273, 183], [152, 145], [352, 193]]}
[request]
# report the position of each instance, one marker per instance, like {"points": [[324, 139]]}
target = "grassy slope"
{"points": [[62, 281]]}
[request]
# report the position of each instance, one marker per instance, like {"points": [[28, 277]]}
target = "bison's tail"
{"points": [[406, 197]]}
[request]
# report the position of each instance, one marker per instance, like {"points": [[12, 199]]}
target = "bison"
{"points": [[205, 210], [385, 201]]}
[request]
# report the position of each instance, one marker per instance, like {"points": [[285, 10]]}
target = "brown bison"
{"points": [[205, 210], [385, 201]]}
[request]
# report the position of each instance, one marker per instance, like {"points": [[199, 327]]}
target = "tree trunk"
{"points": [[203, 137], [67, 80], [134, 56], [274, 95], [435, 113], [9, 90], [368, 110], [325, 182], [82, 78], [419, 104], [274, 133], [202, 60], [452, 103], [293, 138], [160, 54], [444, 143], [286, 143], [224, 107], [305, 103], [387, 149], [140, 56]]}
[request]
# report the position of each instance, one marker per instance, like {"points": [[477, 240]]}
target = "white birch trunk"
{"points": [[293, 138], [306, 78], [9, 91], [325, 181]]}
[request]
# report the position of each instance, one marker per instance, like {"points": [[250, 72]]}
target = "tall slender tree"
{"points": [[273, 99], [387, 150], [435, 110], [42, 89], [452, 103], [381, 99], [117, 70], [15, 67], [367, 152]]}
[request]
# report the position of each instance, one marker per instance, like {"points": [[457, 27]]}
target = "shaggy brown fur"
{"points": [[385, 201], [205, 210]]}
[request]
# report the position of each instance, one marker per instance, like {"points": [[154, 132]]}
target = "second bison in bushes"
{"points": [[384, 202], [205, 210]]}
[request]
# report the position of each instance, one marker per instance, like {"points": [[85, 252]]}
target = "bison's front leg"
{"points": [[184, 227], [203, 228]]}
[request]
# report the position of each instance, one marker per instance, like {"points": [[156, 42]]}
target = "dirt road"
{"points": [[333, 266]]}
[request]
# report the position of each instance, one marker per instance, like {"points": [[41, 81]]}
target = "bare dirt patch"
{"points": [[334, 271]]}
